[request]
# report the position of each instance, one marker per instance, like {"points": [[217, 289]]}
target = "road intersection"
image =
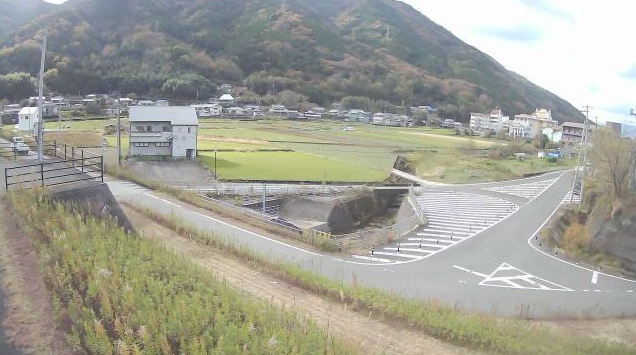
{"points": [[491, 265]]}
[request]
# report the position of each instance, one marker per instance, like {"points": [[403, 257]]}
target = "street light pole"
{"points": [[40, 123], [118, 130]]}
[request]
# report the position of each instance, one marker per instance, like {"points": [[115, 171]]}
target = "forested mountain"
{"points": [[15, 13], [375, 52]]}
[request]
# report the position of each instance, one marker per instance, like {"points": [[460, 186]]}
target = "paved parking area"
{"points": [[528, 191]]}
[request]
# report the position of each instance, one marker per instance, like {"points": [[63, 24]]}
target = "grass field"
{"points": [[276, 149]]}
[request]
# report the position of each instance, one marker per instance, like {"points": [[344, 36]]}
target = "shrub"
{"points": [[576, 239], [552, 160]]}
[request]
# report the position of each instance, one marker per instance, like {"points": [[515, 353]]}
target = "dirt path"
{"points": [[29, 321], [364, 331]]}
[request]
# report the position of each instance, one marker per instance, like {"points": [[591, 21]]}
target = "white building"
{"points": [[27, 118], [553, 135], [208, 110], [495, 122], [536, 122], [146, 103], [163, 131], [518, 130], [278, 110], [226, 100]]}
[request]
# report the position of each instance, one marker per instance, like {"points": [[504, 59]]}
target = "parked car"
{"points": [[20, 148]]}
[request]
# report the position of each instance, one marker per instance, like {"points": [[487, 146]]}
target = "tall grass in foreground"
{"points": [[477, 331], [118, 294]]}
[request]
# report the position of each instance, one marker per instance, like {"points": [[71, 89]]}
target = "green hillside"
{"points": [[15, 13], [380, 53]]}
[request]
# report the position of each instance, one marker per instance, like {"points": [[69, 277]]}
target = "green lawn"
{"points": [[341, 151], [291, 166]]}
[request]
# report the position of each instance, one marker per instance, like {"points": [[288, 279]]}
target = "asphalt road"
{"points": [[495, 268]]}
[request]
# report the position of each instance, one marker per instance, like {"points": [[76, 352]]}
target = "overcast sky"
{"points": [[581, 50]]}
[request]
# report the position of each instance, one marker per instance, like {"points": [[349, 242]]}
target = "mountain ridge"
{"points": [[376, 52]]}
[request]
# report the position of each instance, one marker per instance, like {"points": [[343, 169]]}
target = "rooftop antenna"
{"points": [[40, 123]]}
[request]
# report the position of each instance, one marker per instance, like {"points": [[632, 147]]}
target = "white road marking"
{"points": [[370, 258], [470, 271], [258, 235], [594, 277], [160, 199], [512, 280], [408, 256]]}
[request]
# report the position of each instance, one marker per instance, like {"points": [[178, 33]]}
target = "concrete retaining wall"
{"points": [[95, 199], [617, 237]]}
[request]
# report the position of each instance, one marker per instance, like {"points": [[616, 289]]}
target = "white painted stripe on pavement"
{"points": [[370, 258], [257, 235], [408, 256], [160, 199], [594, 277]]}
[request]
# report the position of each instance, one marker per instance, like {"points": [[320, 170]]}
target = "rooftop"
{"points": [[176, 115]]}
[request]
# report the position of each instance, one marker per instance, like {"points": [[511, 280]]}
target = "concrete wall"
{"points": [[95, 199], [356, 211], [617, 237]]}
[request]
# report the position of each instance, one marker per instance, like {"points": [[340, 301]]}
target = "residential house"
{"points": [[50, 110], [357, 116], [536, 122], [146, 103], [27, 119], [573, 132], [10, 114], [278, 110], [163, 131], [316, 112], [162, 103], [389, 119], [518, 129], [227, 88], [227, 100], [493, 122], [253, 110], [236, 111], [554, 135], [208, 110], [60, 101]]}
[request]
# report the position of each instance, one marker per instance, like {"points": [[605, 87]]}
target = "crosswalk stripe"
{"points": [[401, 255], [370, 258], [411, 250]]}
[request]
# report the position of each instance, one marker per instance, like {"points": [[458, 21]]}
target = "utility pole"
{"points": [[118, 130], [586, 110], [40, 133]]}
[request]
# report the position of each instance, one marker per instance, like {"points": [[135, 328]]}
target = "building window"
{"points": [[167, 128], [189, 130], [149, 128], [140, 128], [141, 144], [162, 144]]}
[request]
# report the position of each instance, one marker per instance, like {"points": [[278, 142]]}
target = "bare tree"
{"points": [[612, 157]]}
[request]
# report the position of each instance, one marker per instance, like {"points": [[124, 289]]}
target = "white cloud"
{"points": [[580, 50]]}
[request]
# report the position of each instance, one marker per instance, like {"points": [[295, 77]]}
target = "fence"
{"points": [[64, 165]]}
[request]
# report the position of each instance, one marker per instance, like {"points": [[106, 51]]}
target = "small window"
{"points": [[141, 144], [189, 130], [140, 128], [149, 128], [166, 128], [162, 144]]}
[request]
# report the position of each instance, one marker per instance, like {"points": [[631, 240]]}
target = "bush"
{"points": [[576, 239], [552, 160]]}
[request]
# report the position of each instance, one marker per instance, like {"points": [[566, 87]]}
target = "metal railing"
{"points": [[64, 165]]}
